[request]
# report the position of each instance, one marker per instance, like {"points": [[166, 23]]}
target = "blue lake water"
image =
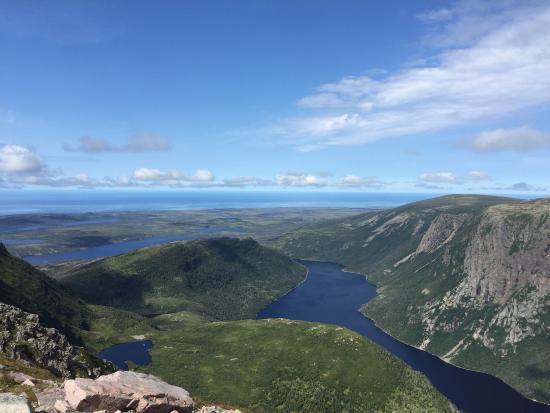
{"points": [[107, 250], [134, 351], [330, 295]]}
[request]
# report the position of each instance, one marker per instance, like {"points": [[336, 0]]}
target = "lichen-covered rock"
{"points": [[23, 337], [126, 390], [215, 409], [10, 403]]}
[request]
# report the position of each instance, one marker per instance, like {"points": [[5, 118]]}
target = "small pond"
{"points": [[135, 351]]}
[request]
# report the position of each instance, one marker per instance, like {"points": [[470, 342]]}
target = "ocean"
{"points": [[80, 201]]}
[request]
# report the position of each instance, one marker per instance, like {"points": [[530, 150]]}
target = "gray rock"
{"points": [[215, 409], [23, 337], [10, 403], [52, 400], [125, 390]]}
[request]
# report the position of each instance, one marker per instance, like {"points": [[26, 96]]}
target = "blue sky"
{"points": [[321, 95]]}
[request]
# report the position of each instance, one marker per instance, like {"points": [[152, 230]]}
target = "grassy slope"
{"points": [[223, 278], [420, 280], [289, 366], [24, 286], [8, 385]]}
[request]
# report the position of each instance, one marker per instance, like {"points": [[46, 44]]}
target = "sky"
{"points": [[351, 95]]}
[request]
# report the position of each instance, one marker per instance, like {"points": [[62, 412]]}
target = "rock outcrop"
{"points": [[507, 253], [10, 403], [23, 337], [506, 283], [121, 391], [214, 409]]}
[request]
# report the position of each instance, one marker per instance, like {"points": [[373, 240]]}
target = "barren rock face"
{"points": [[23, 337], [441, 231], [508, 252], [507, 271], [126, 390]]}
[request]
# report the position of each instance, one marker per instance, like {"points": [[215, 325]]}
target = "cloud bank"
{"points": [[521, 139], [491, 61], [18, 159]]}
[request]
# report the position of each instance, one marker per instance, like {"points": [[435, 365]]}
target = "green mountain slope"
{"points": [[262, 365], [290, 366], [464, 277], [224, 278], [25, 287]]}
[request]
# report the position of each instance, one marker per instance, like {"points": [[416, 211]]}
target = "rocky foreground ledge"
{"points": [[123, 391]]}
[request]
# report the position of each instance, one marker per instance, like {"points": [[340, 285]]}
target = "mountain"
{"points": [[463, 277], [222, 278], [189, 290], [25, 287]]}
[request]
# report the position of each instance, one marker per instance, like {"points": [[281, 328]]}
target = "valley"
{"points": [[465, 277], [196, 300]]}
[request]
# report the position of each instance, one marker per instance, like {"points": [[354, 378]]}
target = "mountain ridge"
{"points": [[448, 279]]}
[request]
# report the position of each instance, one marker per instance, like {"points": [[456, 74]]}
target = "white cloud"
{"points": [[324, 179], [354, 181], [18, 159], [519, 140], [478, 176], [447, 177], [440, 177], [244, 181], [20, 167], [140, 142], [497, 70], [148, 174], [49, 180], [299, 179], [202, 175]]}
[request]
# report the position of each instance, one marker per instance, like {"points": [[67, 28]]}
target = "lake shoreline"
{"points": [[361, 274]]}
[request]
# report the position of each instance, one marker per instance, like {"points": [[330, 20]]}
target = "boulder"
{"points": [[10, 403], [125, 390], [215, 409], [51, 400]]}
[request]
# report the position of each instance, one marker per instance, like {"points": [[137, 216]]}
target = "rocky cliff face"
{"points": [[464, 277], [506, 270], [23, 337]]}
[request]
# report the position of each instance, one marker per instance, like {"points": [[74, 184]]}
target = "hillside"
{"points": [[258, 365], [464, 277], [24, 286], [274, 365], [223, 278]]}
